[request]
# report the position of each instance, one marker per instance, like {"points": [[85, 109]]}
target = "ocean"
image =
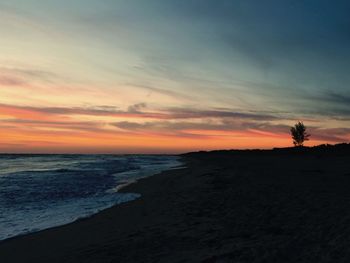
{"points": [[43, 191]]}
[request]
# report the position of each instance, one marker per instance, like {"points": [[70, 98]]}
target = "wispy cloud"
{"points": [[11, 81], [140, 111], [90, 111], [334, 135], [26, 77], [64, 124], [169, 93], [190, 113], [337, 98]]}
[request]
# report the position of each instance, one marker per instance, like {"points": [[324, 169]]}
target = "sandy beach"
{"points": [[224, 206]]}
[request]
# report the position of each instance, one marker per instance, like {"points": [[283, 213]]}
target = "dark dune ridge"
{"points": [[281, 205]]}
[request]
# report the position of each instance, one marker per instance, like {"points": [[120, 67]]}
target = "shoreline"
{"points": [[10, 255], [223, 207], [117, 189]]}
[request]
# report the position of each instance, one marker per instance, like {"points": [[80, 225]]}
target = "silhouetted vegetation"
{"points": [[299, 134]]}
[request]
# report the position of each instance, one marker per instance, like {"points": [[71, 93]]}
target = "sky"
{"points": [[163, 76]]}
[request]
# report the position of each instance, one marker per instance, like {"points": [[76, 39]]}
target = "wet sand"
{"points": [[229, 206]]}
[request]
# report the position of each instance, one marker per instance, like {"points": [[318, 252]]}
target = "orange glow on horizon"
{"points": [[52, 141], [107, 130]]}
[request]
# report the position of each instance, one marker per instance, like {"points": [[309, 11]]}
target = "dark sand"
{"points": [[251, 206]]}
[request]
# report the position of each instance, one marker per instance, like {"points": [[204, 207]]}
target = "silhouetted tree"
{"points": [[299, 134]]}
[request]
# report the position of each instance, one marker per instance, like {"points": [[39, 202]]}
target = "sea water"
{"points": [[42, 191]]}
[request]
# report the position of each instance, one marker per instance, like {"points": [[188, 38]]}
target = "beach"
{"points": [[223, 206]]}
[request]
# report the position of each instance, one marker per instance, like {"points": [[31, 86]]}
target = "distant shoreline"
{"points": [[338, 146]]}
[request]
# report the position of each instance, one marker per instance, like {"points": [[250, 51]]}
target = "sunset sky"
{"points": [[166, 76]]}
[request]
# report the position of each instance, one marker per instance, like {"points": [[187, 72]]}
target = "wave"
{"points": [[42, 191]]}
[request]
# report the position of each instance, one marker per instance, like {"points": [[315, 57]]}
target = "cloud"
{"points": [[11, 81], [169, 93], [247, 127], [65, 124], [221, 125], [189, 113], [136, 108], [337, 98], [16, 76], [334, 135], [91, 111], [178, 121], [332, 104], [25, 72]]}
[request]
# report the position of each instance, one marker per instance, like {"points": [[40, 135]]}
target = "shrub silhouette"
{"points": [[299, 134]]}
